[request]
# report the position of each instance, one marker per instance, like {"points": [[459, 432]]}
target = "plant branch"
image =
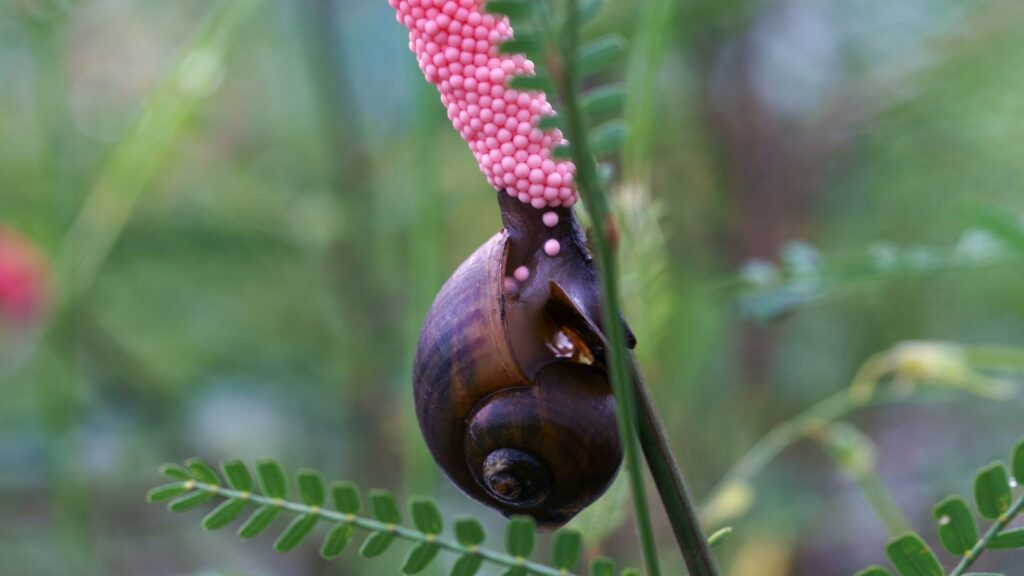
{"points": [[881, 501], [717, 508], [952, 365], [622, 368], [971, 556], [368, 524], [588, 184], [678, 505]]}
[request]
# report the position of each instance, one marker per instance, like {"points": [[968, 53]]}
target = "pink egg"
{"points": [[457, 48]]}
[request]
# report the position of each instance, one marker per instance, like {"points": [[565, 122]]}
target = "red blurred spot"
{"points": [[24, 279]]}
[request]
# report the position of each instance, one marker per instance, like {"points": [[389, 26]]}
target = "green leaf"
{"points": [[873, 571], [520, 536], [385, 508], [376, 544], [992, 491], [539, 83], [510, 8], [602, 567], [238, 475], [604, 99], [1008, 540], [1018, 462], [562, 152], [222, 515], [202, 471], [189, 501], [346, 497], [566, 549], [311, 486], [522, 44], [273, 482], [589, 9], [516, 571], [336, 541], [467, 565], [608, 137], [166, 492], [597, 54], [420, 557], [912, 557], [958, 531], [426, 516], [720, 536], [296, 531], [630, 572], [176, 472], [258, 522], [549, 122], [469, 531]]}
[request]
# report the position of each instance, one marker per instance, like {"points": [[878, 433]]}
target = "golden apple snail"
{"points": [[510, 381], [511, 387]]}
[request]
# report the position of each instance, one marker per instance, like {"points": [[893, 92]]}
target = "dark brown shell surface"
{"points": [[515, 422], [563, 422]]}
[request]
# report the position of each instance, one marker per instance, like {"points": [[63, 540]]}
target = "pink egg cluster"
{"points": [[23, 279], [456, 45]]}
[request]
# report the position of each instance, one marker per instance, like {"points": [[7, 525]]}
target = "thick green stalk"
{"points": [[972, 556], [371, 525], [668, 478]]}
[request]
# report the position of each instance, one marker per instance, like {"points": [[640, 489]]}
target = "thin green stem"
{"points": [[626, 380], [595, 197], [786, 434], [773, 443], [723, 504], [881, 501], [981, 545], [371, 525]]}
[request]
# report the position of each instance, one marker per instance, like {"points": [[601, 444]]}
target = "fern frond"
{"points": [[268, 497]]}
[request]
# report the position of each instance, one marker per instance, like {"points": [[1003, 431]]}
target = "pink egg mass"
{"points": [[456, 45]]}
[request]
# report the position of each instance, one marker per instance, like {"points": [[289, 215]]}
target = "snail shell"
{"points": [[511, 390]]}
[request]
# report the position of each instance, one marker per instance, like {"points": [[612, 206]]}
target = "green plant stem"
{"points": [[668, 478], [862, 393], [778, 439], [143, 153], [692, 541], [788, 433], [371, 525], [654, 22], [881, 502], [590, 187], [972, 556]]}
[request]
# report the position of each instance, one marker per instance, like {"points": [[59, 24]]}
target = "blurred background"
{"points": [[221, 224]]}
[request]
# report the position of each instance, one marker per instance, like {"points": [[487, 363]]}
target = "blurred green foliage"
{"points": [[247, 207]]}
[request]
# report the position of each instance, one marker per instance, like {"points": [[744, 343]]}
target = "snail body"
{"points": [[511, 390]]}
